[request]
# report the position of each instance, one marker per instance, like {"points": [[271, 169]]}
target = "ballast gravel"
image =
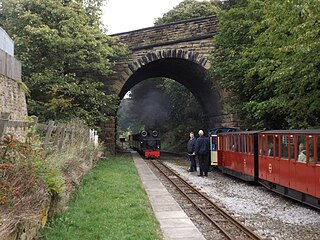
{"points": [[270, 215]]}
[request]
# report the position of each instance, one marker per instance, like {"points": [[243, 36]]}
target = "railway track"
{"points": [[229, 227]]}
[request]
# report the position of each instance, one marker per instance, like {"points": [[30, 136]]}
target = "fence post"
{"points": [[48, 134], [96, 138], [4, 122], [61, 136]]}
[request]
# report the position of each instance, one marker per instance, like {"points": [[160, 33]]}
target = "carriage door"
{"points": [[283, 156], [292, 163], [213, 150]]}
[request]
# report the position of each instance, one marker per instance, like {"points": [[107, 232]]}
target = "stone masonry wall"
{"points": [[12, 96], [171, 33]]}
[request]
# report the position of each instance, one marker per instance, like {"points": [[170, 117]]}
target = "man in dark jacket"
{"points": [[191, 145], [202, 151]]}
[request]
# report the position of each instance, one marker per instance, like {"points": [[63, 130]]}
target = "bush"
{"points": [[30, 176]]}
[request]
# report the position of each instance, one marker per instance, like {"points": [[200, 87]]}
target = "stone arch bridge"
{"points": [[179, 51]]}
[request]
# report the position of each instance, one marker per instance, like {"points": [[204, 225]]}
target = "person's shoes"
{"points": [[200, 175]]}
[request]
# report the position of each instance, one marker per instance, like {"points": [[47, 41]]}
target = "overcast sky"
{"points": [[127, 15]]}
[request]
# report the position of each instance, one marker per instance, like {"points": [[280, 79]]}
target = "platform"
{"points": [[174, 222]]}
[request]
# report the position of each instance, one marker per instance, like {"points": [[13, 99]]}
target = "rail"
{"points": [[228, 226]]}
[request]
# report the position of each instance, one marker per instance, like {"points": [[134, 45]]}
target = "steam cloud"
{"points": [[148, 107]]}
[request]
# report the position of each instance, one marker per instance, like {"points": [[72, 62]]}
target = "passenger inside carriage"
{"points": [[270, 145], [270, 149], [302, 153]]}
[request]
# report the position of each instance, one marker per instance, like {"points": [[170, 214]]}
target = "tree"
{"points": [[189, 9], [266, 57], [285, 56], [65, 57], [228, 63]]}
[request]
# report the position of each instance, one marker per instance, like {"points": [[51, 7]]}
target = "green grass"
{"points": [[110, 204]]}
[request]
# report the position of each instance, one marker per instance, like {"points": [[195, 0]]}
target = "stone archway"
{"points": [[179, 51], [185, 67]]}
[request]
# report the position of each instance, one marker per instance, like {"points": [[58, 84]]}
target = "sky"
{"points": [[126, 15]]}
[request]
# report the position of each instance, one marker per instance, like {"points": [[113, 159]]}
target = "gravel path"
{"points": [[269, 214]]}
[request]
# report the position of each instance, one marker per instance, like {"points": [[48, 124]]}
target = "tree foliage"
{"points": [[189, 9], [65, 57], [266, 56]]}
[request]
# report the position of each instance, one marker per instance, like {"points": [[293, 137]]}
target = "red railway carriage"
{"points": [[285, 161], [289, 163], [236, 154]]}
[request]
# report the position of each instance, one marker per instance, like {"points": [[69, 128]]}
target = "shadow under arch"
{"points": [[187, 72]]}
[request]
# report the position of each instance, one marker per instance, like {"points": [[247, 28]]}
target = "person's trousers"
{"points": [[193, 163], [204, 164]]}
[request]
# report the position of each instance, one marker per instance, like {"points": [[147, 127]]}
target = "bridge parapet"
{"points": [[169, 34]]}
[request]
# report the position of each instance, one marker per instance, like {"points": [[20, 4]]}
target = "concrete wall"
{"points": [[6, 43]]}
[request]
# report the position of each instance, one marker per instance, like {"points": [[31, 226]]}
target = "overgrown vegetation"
{"points": [[66, 57], [266, 57], [31, 176], [110, 204]]}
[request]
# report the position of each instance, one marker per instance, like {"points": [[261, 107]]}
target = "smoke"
{"points": [[148, 106], [153, 109]]}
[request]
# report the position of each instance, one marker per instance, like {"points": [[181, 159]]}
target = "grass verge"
{"points": [[110, 204]]}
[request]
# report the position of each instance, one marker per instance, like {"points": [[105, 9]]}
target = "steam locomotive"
{"points": [[284, 161], [147, 143]]}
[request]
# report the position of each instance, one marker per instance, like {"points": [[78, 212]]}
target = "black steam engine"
{"points": [[147, 143]]}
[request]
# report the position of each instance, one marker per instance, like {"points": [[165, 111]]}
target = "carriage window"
{"points": [[236, 144], [311, 149], [243, 144], [263, 143], [249, 144], [301, 149], [277, 145], [214, 143], [291, 145], [270, 146], [318, 150], [228, 143], [284, 147]]}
